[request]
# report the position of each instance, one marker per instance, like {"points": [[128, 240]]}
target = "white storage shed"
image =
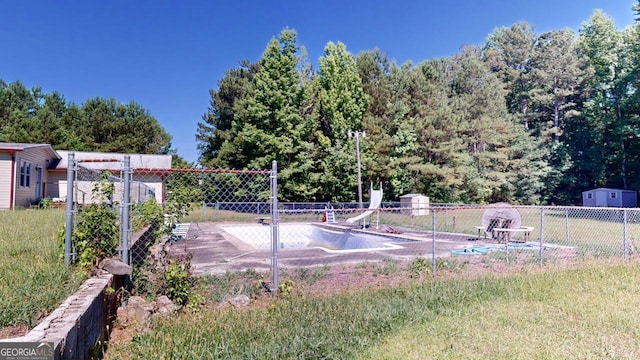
{"points": [[415, 204]]}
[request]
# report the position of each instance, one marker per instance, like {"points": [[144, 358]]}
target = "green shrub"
{"points": [[45, 203], [286, 287], [178, 286], [147, 213], [96, 234], [419, 267]]}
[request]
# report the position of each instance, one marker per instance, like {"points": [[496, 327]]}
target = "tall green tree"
{"points": [[33, 116], [402, 124], [509, 52], [257, 117], [75, 132], [342, 103], [273, 121], [18, 108], [374, 71], [217, 133], [128, 128], [559, 75], [437, 126], [607, 107], [488, 168]]}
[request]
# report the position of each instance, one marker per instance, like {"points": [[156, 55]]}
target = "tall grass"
{"points": [[33, 278], [578, 313]]}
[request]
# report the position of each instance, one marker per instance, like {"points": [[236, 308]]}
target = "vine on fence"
{"points": [[160, 273], [148, 213], [177, 206], [96, 234]]}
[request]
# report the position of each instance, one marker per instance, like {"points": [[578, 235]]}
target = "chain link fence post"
{"points": [[126, 195], [540, 254], [625, 239], [566, 224], [69, 219], [434, 259], [274, 225]]}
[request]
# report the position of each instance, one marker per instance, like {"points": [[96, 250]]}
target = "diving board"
{"points": [[375, 199]]}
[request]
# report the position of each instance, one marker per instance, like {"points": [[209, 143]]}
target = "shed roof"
{"points": [[113, 161], [412, 195], [608, 189], [8, 146]]}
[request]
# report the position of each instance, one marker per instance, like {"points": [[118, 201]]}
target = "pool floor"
{"points": [[303, 235]]}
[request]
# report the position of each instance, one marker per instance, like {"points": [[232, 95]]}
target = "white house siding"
{"points": [[154, 186], [5, 181], [38, 158], [146, 181], [56, 184], [142, 187]]}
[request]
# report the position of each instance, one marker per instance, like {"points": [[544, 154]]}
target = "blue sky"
{"points": [[167, 55]]}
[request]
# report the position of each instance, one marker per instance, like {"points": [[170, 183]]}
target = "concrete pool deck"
{"points": [[214, 251]]}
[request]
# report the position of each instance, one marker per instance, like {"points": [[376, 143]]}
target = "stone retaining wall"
{"points": [[81, 322]]}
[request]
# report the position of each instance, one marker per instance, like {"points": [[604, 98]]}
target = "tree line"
{"points": [[526, 117], [99, 124]]}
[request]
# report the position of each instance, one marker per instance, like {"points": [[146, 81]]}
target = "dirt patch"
{"points": [[121, 336], [14, 331]]}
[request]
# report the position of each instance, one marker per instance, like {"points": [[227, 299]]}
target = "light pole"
{"points": [[357, 135]]}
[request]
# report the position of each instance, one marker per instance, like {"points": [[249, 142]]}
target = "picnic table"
{"points": [[505, 234]]}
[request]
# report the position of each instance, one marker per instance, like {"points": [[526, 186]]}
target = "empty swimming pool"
{"points": [[300, 236]]}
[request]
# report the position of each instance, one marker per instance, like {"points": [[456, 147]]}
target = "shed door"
{"points": [[601, 198]]}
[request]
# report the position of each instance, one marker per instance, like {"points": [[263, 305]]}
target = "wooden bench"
{"points": [[505, 234], [494, 223]]}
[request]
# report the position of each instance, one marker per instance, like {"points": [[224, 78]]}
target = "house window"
{"points": [[589, 196], [25, 174], [613, 195]]}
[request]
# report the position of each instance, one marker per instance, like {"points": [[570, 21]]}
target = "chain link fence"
{"points": [[114, 191], [231, 220], [458, 237], [100, 194], [220, 195]]}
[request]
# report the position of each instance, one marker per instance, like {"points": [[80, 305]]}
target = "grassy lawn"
{"points": [[33, 278], [591, 312]]}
